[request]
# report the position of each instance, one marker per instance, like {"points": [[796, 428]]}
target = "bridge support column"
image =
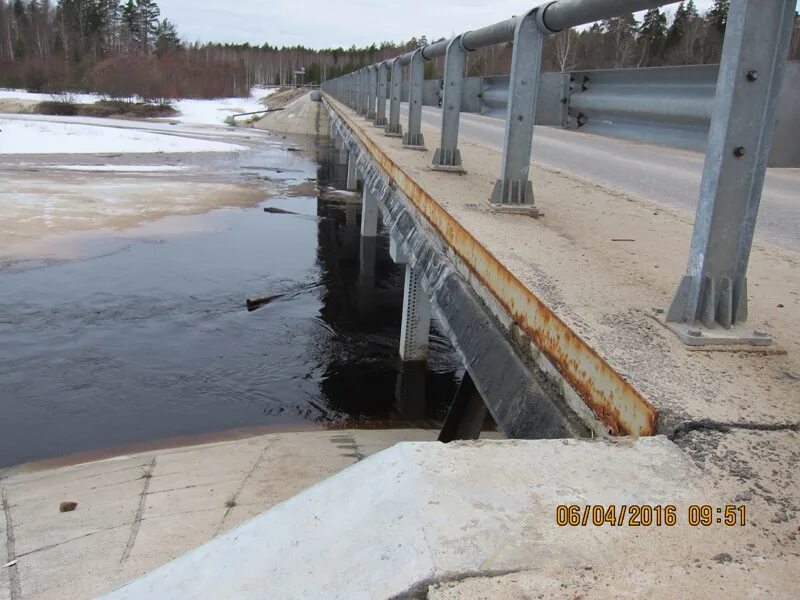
{"points": [[514, 187], [416, 325], [380, 105], [413, 138], [393, 128], [369, 213], [448, 156], [712, 297], [352, 172]]}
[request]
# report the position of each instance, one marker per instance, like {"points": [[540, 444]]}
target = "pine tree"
{"points": [[678, 26], [148, 13], [718, 14], [129, 26], [654, 27], [167, 39]]}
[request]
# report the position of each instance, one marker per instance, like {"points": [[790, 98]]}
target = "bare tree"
{"points": [[564, 49]]}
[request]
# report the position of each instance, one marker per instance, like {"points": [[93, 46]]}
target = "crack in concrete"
{"points": [[244, 481], [137, 519], [726, 427], [15, 589], [80, 537], [419, 591]]}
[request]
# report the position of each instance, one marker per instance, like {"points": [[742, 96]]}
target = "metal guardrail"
{"points": [[669, 106], [712, 296]]}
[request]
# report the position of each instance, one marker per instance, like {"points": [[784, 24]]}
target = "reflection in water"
{"points": [[147, 337], [362, 301]]}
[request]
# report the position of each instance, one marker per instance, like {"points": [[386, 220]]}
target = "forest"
{"points": [[125, 49]]}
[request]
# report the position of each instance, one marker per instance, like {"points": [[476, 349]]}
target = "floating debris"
{"points": [[256, 303]]}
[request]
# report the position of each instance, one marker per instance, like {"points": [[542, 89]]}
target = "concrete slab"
{"points": [[300, 117], [420, 513], [138, 511]]}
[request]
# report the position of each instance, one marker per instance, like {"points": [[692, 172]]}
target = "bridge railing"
{"points": [[711, 298]]}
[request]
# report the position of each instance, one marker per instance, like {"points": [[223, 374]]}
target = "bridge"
{"points": [[728, 110], [568, 292]]}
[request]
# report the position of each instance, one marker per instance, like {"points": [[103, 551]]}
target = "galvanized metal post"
{"points": [[448, 157], [393, 128], [380, 110], [350, 91], [364, 108], [714, 290], [413, 138], [415, 328], [514, 187], [369, 212], [372, 74], [359, 91]]}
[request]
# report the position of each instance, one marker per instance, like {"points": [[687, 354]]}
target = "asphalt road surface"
{"points": [[664, 175]]}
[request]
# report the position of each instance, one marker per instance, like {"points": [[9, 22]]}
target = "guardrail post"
{"points": [[514, 187], [380, 110], [349, 85], [448, 157], [713, 293], [413, 138], [357, 91], [394, 129], [372, 75], [364, 80]]}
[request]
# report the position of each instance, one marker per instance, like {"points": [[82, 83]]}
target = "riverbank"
{"points": [[137, 511]]}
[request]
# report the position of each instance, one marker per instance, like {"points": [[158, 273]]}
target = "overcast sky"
{"points": [[331, 23]]}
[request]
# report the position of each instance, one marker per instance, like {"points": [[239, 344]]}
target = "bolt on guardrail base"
{"points": [[397, 131], [414, 141], [448, 161], [696, 334], [513, 192]]}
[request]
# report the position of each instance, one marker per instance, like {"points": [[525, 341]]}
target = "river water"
{"points": [[146, 336]]}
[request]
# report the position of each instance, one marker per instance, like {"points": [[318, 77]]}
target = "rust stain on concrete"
{"points": [[612, 399]]}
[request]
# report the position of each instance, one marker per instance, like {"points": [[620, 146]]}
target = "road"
{"points": [[664, 175]]}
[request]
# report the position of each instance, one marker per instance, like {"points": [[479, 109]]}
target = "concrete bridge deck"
{"points": [[606, 263]]}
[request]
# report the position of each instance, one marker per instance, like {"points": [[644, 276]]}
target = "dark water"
{"points": [[148, 337]]}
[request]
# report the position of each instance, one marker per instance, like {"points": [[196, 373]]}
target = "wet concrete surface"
{"points": [[144, 334]]}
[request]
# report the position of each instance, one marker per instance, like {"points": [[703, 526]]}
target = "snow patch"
{"points": [[26, 136], [119, 168], [214, 112]]}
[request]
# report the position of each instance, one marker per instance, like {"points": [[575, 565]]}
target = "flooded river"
{"points": [[144, 335]]}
